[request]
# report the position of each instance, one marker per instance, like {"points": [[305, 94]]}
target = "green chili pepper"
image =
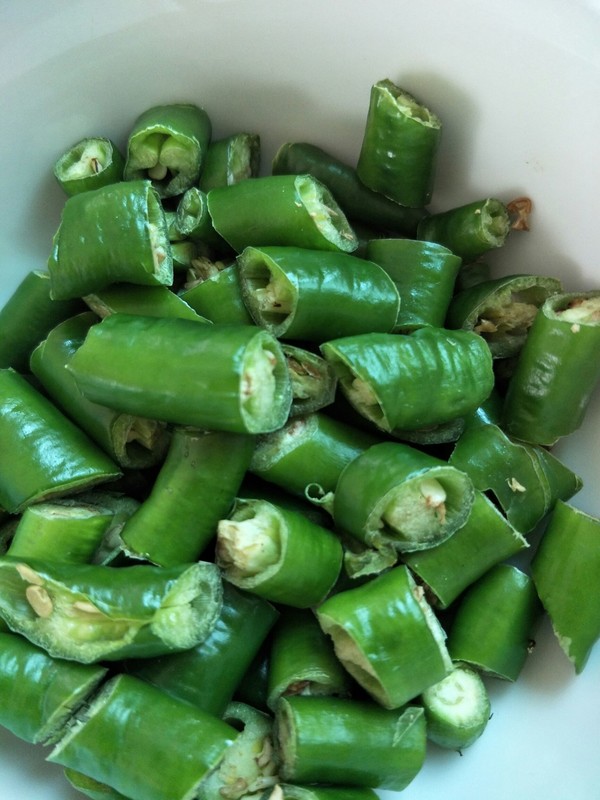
{"points": [[110, 235], [89, 613], [195, 488], [89, 164], [457, 709], [486, 539], [387, 637], [213, 289], [176, 745], [356, 200], [558, 369], [43, 454], [132, 441], [252, 688], [295, 210], [231, 160], [120, 507], [290, 791], [208, 674], [525, 480], [313, 295], [471, 274], [399, 148], [494, 622], [216, 377], [167, 144], [426, 378], [394, 494], [566, 573], [90, 787], [249, 766], [28, 316], [149, 301], [501, 310], [70, 532], [313, 381], [194, 220], [424, 274], [302, 660], [40, 693], [332, 740], [469, 230], [308, 451], [278, 553]]}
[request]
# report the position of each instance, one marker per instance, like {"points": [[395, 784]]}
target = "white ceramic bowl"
{"points": [[517, 87]]}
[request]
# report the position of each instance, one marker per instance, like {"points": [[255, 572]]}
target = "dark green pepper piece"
{"points": [[501, 310], [295, 211], [149, 301], [132, 441], [90, 613], [214, 377], [311, 295], [114, 234], [214, 290], [167, 144], [43, 453], [399, 149], [89, 164], [557, 371], [356, 200]]}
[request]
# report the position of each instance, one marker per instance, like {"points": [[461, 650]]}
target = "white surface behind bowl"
{"points": [[517, 86]]}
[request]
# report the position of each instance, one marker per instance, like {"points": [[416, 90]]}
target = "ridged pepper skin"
{"points": [[557, 371], [167, 145], [195, 487], [40, 693], [28, 316], [295, 211], [387, 637], [209, 674], [216, 377], [311, 295], [176, 745], [495, 621], [398, 154], [423, 379], [110, 235], [133, 442], [501, 310], [89, 164], [331, 740], [395, 495], [43, 453], [90, 613], [424, 274], [358, 202], [566, 574]]}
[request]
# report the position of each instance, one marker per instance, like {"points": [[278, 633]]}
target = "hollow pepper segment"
{"points": [[398, 154], [114, 234], [278, 553], [43, 453], [387, 637], [295, 210], [231, 160], [167, 145], [227, 377], [566, 574], [414, 382], [395, 495], [89, 164], [90, 613], [311, 295]]}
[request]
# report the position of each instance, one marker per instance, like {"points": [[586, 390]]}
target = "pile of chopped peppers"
{"points": [[275, 453]]}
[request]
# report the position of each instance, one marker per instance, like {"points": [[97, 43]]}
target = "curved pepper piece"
{"points": [[214, 290], [313, 382], [231, 160], [394, 495], [110, 235], [90, 613], [167, 144], [89, 164], [43, 453], [214, 377]]}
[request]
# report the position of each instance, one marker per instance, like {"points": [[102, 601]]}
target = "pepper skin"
{"points": [[213, 289], [168, 144], [230, 160], [89, 164], [43, 453]]}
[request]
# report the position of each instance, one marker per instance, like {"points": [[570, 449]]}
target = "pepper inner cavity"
{"points": [[249, 542], [416, 510]]}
